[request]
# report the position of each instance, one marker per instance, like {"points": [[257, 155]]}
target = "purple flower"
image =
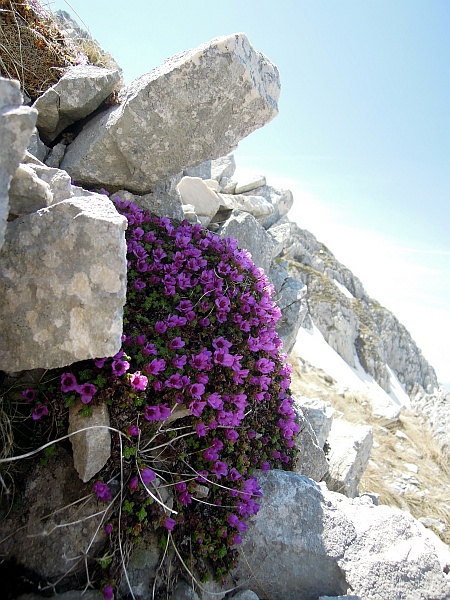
{"points": [[108, 528], [155, 366], [231, 435], [179, 362], [210, 454], [160, 327], [100, 362], [169, 523], [185, 498], [233, 520], [108, 592], [222, 357], [138, 382], [86, 391], [196, 407], [133, 430], [265, 466], [134, 483], [149, 349], [147, 475], [138, 284], [234, 474], [102, 490], [160, 412], [196, 390], [201, 361], [221, 343], [176, 343], [39, 411], [263, 365], [241, 526], [201, 429], [68, 382], [29, 395], [220, 468], [237, 539], [119, 367], [215, 401]]}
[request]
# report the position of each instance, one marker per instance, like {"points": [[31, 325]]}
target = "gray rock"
{"points": [[223, 167], [183, 591], [44, 542], [76, 95], [281, 200], [434, 407], [290, 297], [196, 106], [254, 205], [37, 147], [250, 236], [311, 460], [28, 193], [16, 126], [56, 155], [36, 186], [141, 568], [281, 234], [62, 285], [292, 546], [202, 170], [245, 595], [319, 414], [196, 192], [227, 186], [350, 448], [308, 542], [340, 597], [92, 447], [164, 201]]}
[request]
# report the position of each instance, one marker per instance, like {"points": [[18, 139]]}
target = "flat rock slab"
{"points": [[196, 106], [62, 285]]}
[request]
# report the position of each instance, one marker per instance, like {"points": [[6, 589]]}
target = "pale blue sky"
{"points": [[362, 137]]}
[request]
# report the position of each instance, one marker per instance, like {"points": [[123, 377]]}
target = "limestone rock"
{"points": [[196, 106], [164, 201], [183, 591], [56, 155], [281, 200], [350, 448], [319, 414], [250, 236], [16, 126], [37, 147], [254, 205], [311, 461], [290, 297], [141, 569], [77, 94], [281, 234], [250, 185], [62, 285], [45, 544], [434, 407], [36, 186], [308, 542], [223, 167], [196, 192], [91, 448]]}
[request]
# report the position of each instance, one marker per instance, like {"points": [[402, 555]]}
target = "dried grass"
{"points": [[32, 47], [397, 446]]}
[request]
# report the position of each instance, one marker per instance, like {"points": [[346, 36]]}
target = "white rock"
{"points": [[254, 205], [196, 192], [350, 447], [248, 186]]}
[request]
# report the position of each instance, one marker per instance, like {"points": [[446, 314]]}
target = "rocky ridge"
{"points": [[87, 295]]}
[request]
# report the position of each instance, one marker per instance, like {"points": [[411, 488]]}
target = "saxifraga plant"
{"points": [[199, 390]]}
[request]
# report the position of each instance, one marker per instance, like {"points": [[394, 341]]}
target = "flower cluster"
{"points": [[199, 341]]}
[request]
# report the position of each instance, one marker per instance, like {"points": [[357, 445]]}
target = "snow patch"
{"points": [[343, 289], [312, 347]]}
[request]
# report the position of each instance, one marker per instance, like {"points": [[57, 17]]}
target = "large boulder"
{"points": [[16, 126], [308, 542], [62, 285], [76, 95], [311, 461], [196, 106]]}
